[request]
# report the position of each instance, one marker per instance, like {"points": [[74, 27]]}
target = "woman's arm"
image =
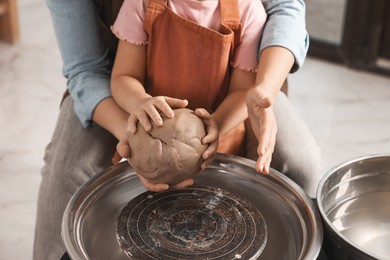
{"points": [[286, 27], [85, 54], [87, 63], [110, 116], [129, 92]]}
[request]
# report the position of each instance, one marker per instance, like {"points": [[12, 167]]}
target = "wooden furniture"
{"points": [[9, 22]]}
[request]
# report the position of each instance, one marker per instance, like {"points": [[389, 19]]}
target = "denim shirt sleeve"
{"points": [[286, 27], [86, 62]]}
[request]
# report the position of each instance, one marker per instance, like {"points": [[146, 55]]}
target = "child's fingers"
{"points": [[211, 135], [132, 124], [211, 125], [263, 143], [269, 152], [164, 105], [176, 103], [260, 165], [159, 105], [263, 162], [203, 114], [153, 114], [265, 151], [144, 120], [211, 149], [211, 139]]}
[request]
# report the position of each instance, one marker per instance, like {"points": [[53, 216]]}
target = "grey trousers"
{"points": [[75, 154]]}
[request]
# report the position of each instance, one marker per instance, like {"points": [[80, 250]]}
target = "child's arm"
{"points": [[127, 87], [128, 91], [232, 110], [128, 75], [274, 65]]}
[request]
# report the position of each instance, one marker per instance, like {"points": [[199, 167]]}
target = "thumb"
{"points": [[123, 148]]}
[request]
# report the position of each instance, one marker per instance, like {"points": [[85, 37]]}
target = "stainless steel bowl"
{"points": [[354, 202], [293, 223]]}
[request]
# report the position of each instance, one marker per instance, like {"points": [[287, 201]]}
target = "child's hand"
{"points": [[211, 138], [263, 122], [150, 109]]}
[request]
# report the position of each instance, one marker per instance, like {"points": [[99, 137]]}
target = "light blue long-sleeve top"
{"points": [[87, 58]]}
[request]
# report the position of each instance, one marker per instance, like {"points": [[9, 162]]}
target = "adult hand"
{"points": [[151, 109], [157, 187], [211, 137], [263, 122], [122, 151]]}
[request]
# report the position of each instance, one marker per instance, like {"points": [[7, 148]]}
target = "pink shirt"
{"points": [[129, 24]]}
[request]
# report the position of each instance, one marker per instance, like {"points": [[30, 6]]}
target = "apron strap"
{"points": [[155, 7], [230, 17]]}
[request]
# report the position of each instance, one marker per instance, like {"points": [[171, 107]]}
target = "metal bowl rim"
{"points": [[66, 230], [313, 248], [320, 186]]}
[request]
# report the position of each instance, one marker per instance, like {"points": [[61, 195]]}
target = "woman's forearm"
{"points": [[111, 117]]}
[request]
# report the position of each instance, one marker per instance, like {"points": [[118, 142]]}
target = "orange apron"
{"points": [[188, 61]]}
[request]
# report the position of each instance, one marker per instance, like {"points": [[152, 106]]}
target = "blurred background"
{"points": [[342, 92]]}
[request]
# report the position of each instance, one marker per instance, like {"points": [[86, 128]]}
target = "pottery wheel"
{"points": [[199, 222]]}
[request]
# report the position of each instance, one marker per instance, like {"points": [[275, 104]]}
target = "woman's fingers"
{"points": [[184, 184], [158, 187], [152, 186], [123, 148]]}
